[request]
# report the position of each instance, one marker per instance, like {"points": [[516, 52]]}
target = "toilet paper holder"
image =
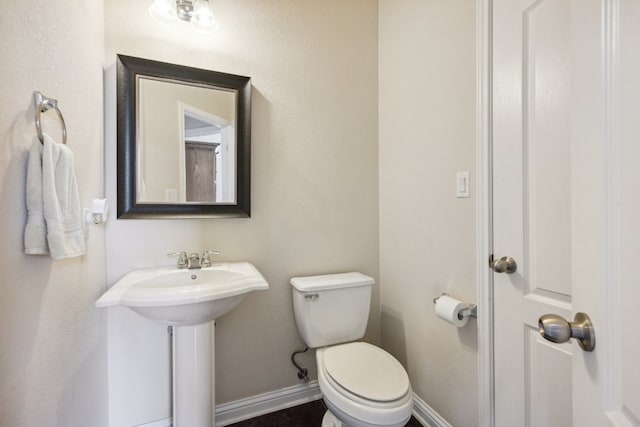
{"points": [[472, 309]]}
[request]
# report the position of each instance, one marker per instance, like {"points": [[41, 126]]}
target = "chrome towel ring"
{"points": [[43, 104]]}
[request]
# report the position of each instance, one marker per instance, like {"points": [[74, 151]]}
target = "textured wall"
{"points": [[314, 184], [52, 339], [427, 236], [314, 67]]}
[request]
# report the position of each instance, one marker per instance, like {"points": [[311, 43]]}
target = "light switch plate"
{"points": [[462, 184]]}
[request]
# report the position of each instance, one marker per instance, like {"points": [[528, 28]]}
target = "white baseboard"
{"points": [[266, 403], [167, 422], [426, 415], [244, 409]]}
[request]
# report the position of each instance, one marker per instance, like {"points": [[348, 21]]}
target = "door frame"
{"points": [[484, 228], [184, 110]]}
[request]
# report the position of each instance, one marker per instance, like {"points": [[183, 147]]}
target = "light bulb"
{"points": [[203, 17], [164, 11]]}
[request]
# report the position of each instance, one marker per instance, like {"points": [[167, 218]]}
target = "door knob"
{"points": [[556, 329], [506, 264]]}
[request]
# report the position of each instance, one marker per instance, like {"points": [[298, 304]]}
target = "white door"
{"points": [[566, 162]]}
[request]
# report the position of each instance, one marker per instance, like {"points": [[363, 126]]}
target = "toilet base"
{"points": [[330, 420]]}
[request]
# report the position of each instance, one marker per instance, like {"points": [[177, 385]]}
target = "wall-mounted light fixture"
{"points": [[195, 11]]}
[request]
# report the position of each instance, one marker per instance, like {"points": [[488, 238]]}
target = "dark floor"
{"points": [[307, 415]]}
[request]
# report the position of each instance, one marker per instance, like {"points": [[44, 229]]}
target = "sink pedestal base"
{"points": [[193, 373]]}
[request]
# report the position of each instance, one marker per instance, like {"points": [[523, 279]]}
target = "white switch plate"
{"points": [[462, 184]]}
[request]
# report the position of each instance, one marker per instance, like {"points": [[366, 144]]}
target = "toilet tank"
{"points": [[331, 308]]}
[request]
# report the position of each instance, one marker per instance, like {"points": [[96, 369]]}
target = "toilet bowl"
{"points": [[373, 391], [362, 385]]}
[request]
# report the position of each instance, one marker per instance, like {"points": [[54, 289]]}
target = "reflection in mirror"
{"points": [[183, 141], [187, 143], [208, 154]]}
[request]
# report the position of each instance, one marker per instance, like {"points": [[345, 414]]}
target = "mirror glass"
{"points": [[187, 143], [183, 141]]}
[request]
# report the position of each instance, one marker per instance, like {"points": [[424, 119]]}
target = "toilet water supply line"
{"points": [[302, 372]]}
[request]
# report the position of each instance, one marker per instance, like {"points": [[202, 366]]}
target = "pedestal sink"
{"points": [[188, 300]]}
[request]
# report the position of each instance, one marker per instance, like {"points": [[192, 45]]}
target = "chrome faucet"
{"points": [[205, 261], [183, 261], [194, 261]]}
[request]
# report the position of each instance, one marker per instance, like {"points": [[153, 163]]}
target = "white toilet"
{"points": [[362, 385]]}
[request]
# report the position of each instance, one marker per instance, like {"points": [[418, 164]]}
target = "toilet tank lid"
{"points": [[331, 281]]}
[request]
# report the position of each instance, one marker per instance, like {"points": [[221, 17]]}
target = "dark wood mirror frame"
{"points": [[128, 69]]}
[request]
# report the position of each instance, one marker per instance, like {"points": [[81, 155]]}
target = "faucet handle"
{"points": [[183, 261], [205, 260]]}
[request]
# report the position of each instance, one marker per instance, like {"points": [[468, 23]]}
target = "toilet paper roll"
{"points": [[450, 309]]}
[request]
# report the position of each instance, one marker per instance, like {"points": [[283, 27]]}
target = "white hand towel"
{"points": [[62, 210], [35, 232], [54, 224]]}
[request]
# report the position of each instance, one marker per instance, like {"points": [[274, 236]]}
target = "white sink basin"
{"points": [[181, 297]]}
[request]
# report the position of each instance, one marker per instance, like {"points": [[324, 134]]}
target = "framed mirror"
{"points": [[184, 141]]}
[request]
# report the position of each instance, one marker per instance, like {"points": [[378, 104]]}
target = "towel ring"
{"points": [[43, 104]]}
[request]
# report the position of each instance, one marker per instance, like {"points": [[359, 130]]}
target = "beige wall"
{"points": [[52, 339], [427, 235], [314, 184], [315, 197]]}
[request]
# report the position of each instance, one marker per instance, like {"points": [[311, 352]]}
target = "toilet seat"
{"points": [[366, 371], [361, 401]]}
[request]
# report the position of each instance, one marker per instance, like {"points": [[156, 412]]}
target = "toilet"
{"points": [[362, 385]]}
